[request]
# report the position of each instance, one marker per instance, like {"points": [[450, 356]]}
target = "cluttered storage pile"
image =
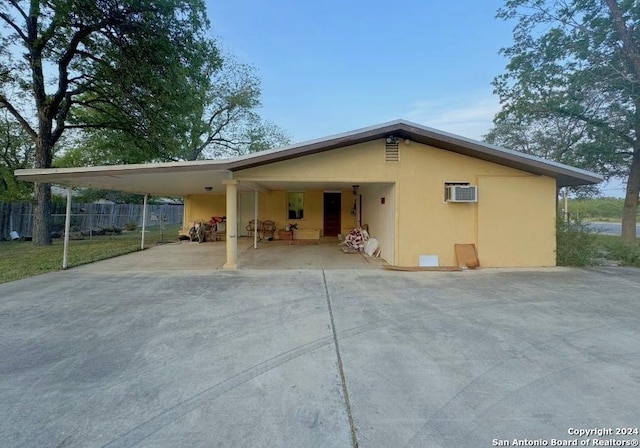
{"points": [[358, 240]]}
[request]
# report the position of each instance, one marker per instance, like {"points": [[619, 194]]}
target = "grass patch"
{"points": [[614, 249], [22, 259], [597, 209]]}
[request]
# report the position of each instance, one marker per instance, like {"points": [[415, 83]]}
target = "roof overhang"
{"points": [[194, 177], [565, 175]]}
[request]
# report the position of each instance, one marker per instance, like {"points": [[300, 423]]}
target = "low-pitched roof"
{"points": [[182, 178]]}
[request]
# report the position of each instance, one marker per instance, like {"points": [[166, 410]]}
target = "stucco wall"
{"points": [[201, 207], [524, 234], [381, 217], [424, 223], [274, 206]]}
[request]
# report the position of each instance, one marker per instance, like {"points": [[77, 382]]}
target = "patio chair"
{"points": [[197, 232], [220, 232], [268, 229], [254, 228]]}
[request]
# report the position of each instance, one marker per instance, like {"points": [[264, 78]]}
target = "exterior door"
{"points": [[332, 212]]}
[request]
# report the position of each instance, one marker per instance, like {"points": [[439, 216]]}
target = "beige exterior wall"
{"points": [[381, 218], [274, 206], [201, 207], [525, 230], [512, 224]]}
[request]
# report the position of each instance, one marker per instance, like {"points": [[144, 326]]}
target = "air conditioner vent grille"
{"points": [[461, 193]]}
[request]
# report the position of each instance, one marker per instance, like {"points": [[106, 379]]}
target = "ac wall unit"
{"points": [[461, 193]]}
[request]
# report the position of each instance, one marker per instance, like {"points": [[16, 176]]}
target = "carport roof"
{"points": [[190, 177]]}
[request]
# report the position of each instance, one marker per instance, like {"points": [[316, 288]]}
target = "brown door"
{"points": [[332, 214]]}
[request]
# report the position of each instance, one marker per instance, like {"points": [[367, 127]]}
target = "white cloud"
{"points": [[469, 117]]}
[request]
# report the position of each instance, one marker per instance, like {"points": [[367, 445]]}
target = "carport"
{"points": [[211, 178]]}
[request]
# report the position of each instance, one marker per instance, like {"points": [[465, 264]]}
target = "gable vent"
{"points": [[392, 149]]}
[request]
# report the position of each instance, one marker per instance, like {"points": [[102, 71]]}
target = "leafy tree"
{"points": [[16, 152], [580, 60], [220, 120], [86, 64], [229, 98], [89, 195], [562, 139], [262, 135]]}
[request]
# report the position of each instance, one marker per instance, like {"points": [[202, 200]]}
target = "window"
{"points": [[296, 205]]}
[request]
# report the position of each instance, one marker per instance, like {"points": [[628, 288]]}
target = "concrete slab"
{"points": [[98, 358], [187, 257], [461, 359], [311, 255], [231, 359], [176, 257]]}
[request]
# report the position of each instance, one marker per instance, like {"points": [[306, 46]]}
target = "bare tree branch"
{"points": [[17, 6], [15, 27], [13, 111]]}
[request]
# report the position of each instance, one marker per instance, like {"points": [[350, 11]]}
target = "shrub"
{"points": [[626, 254], [131, 226], [576, 243]]}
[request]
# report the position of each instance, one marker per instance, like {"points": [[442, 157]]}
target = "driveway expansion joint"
{"points": [[343, 378]]}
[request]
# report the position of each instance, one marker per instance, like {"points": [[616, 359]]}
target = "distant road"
{"points": [[611, 228]]}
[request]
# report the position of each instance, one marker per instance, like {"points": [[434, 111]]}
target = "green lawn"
{"points": [[597, 209], [20, 259]]}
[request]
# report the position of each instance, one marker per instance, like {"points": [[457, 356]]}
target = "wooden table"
{"points": [[284, 235]]}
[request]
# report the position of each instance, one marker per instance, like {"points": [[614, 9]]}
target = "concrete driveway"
{"points": [[191, 256], [317, 358]]}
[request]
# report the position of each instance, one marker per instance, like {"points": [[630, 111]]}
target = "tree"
{"points": [[220, 120], [62, 59], [580, 60], [16, 152], [562, 139]]}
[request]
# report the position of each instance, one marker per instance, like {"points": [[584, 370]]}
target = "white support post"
{"points": [[255, 217], [232, 224], [67, 229], [144, 221]]}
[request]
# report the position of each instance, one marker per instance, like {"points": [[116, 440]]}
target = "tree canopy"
{"points": [[126, 81], [573, 78], [16, 152], [217, 118]]}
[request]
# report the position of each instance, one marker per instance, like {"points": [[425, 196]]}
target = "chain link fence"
{"points": [[18, 217]]}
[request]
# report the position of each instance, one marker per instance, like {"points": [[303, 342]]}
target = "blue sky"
{"points": [[330, 66]]}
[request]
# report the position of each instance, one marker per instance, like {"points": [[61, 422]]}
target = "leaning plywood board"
{"points": [[466, 255]]}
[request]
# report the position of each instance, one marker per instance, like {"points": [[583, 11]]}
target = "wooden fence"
{"points": [[18, 216]]}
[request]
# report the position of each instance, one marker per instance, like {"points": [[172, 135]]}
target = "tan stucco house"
{"points": [[419, 190]]}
